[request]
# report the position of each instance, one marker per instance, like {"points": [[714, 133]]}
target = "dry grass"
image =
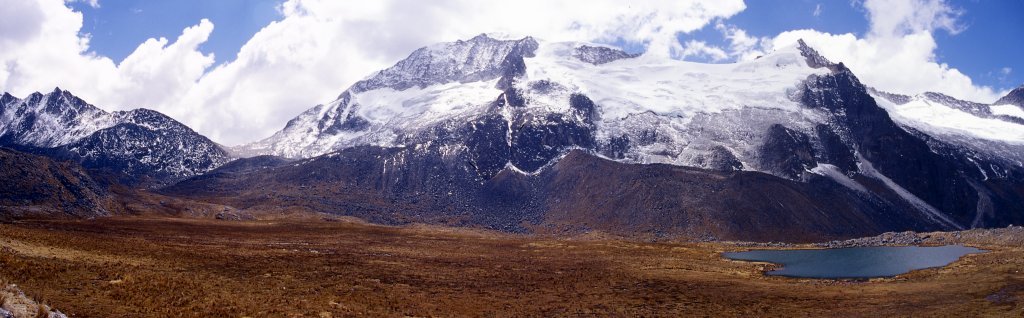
{"points": [[134, 267], [42, 312]]}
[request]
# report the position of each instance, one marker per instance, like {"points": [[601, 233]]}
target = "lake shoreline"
{"points": [[974, 237], [854, 263]]}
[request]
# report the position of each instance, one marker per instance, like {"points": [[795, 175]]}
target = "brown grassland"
{"points": [[168, 267]]}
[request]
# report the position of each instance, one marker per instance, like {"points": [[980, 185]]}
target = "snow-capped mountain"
{"points": [[425, 89], [992, 133], [49, 120], [669, 111], [472, 112], [139, 145]]}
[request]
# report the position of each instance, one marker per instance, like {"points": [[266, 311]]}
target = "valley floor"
{"points": [[165, 267]]}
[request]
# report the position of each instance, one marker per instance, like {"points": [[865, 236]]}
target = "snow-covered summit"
{"points": [[140, 143], [674, 111], [478, 59], [49, 120]]}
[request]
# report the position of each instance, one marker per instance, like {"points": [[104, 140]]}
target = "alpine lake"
{"points": [[854, 262]]}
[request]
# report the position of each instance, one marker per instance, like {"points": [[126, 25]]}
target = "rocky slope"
{"points": [[140, 146], [1014, 97], [38, 186]]}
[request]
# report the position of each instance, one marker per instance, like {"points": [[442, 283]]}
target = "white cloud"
{"points": [[895, 18], [742, 46], [694, 48], [898, 51], [1006, 71], [46, 52], [314, 52], [817, 10], [92, 3]]}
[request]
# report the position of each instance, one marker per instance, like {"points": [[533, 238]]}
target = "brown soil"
{"points": [[163, 267]]}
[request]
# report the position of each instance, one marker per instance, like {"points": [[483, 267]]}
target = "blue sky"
{"points": [[990, 41], [117, 27], [989, 48]]}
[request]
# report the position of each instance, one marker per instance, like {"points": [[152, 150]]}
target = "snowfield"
{"points": [[674, 88], [937, 119], [1008, 110], [685, 108]]}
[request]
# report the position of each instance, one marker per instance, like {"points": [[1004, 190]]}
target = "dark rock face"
{"points": [[536, 143], [488, 146], [814, 59], [1015, 97], [786, 152], [615, 147], [526, 142], [38, 186], [834, 149], [908, 160], [256, 163], [600, 55], [578, 193], [349, 122], [583, 108], [513, 65], [720, 159]]}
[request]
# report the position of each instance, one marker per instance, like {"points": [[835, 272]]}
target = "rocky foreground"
{"points": [[15, 304]]}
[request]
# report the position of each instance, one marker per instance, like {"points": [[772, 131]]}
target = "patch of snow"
{"points": [[834, 173], [1007, 110], [934, 118], [416, 108]]}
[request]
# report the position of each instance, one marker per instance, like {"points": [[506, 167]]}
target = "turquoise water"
{"points": [[855, 262]]}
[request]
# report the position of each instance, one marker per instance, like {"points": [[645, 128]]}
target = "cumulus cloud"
{"points": [[47, 51], [742, 46], [694, 48], [897, 53], [315, 51]]}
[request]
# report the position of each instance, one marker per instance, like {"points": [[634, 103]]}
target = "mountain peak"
{"points": [[479, 58], [814, 59], [7, 97], [1014, 97]]}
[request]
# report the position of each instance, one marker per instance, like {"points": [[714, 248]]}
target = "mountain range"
{"points": [[524, 135], [136, 147]]}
